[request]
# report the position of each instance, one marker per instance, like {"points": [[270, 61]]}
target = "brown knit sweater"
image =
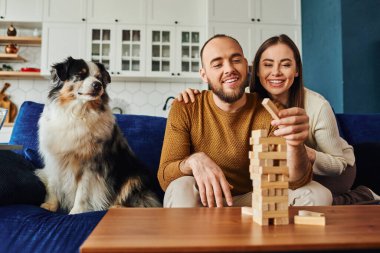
{"points": [[203, 127]]}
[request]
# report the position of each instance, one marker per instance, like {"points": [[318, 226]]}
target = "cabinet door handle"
{"points": [[258, 20], [175, 22], [116, 20], [178, 74], [173, 74], [118, 73], [2, 17], [252, 19], [83, 19]]}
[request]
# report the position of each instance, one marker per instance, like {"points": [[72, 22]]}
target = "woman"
{"points": [[278, 75]]}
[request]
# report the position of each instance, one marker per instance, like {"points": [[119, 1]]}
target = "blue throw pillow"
{"points": [[18, 183]]}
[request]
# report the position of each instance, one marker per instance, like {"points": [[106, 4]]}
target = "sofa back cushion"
{"points": [[145, 135], [362, 131]]}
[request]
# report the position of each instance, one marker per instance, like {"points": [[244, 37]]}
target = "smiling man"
{"points": [[204, 159]]}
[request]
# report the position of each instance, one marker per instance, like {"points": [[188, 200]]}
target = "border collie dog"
{"points": [[89, 165]]}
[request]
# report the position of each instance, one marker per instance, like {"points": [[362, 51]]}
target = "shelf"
{"points": [[29, 41], [11, 58], [20, 75]]}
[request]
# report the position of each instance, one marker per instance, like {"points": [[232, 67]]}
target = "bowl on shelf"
{"points": [[11, 49]]}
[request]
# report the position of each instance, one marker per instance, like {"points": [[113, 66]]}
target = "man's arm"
{"points": [[294, 127], [177, 160], [176, 146]]}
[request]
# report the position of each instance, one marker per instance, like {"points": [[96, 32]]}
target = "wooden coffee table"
{"points": [[227, 230]]}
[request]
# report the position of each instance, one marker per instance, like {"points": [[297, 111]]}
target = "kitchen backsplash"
{"points": [[145, 98]]}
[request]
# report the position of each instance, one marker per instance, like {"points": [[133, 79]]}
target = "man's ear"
{"points": [[203, 74], [61, 70]]}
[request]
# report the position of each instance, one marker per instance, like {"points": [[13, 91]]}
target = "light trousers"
{"points": [[183, 192]]}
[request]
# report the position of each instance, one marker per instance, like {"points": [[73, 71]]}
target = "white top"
{"points": [[332, 152]]}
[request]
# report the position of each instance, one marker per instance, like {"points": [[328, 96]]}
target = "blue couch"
{"points": [[28, 228]]}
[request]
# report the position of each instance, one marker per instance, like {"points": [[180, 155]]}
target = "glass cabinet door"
{"points": [[131, 50], [161, 51], [190, 51], [101, 46]]}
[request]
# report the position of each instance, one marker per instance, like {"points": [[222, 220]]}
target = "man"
{"points": [[204, 160]]}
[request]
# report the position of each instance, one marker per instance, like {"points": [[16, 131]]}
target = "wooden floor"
{"points": [[227, 230]]}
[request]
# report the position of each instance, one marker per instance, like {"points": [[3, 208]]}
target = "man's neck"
{"points": [[230, 107]]}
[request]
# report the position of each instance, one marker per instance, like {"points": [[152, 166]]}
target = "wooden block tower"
{"points": [[269, 174]]}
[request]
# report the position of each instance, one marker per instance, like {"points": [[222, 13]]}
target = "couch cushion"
{"points": [[145, 135], [368, 165], [18, 184], [359, 128], [32, 229]]}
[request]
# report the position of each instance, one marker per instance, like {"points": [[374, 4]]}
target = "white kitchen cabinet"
{"points": [[251, 36], [254, 21], [173, 51], [121, 48], [181, 12], [64, 11], [117, 11], [21, 10], [61, 40], [255, 11]]}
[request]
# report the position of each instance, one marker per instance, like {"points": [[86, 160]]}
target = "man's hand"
{"points": [[212, 184], [293, 125]]}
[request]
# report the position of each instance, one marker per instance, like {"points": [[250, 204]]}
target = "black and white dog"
{"points": [[88, 163]]}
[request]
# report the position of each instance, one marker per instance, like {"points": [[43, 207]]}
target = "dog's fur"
{"points": [[88, 163]]}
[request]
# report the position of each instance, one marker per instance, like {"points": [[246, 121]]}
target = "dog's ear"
{"points": [[62, 69], [106, 78]]}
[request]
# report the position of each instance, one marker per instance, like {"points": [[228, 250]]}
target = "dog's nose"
{"points": [[97, 86]]}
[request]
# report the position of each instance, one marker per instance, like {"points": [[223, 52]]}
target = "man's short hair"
{"points": [[215, 37]]}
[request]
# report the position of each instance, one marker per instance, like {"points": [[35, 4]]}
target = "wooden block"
{"points": [[258, 183], [309, 213], [269, 140], [274, 214], [271, 108], [260, 148], [271, 177], [281, 221], [283, 205], [310, 220], [283, 163], [261, 162], [281, 148], [261, 221], [271, 199], [278, 192], [270, 169], [246, 210], [272, 192], [259, 133], [272, 155]]}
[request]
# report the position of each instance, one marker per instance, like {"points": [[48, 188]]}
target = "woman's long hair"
{"points": [[296, 91]]}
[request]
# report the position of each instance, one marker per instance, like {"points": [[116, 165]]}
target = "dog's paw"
{"points": [[117, 206], [76, 210], [50, 206]]}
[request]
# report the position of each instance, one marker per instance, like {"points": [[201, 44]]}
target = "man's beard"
{"points": [[228, 98]]}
